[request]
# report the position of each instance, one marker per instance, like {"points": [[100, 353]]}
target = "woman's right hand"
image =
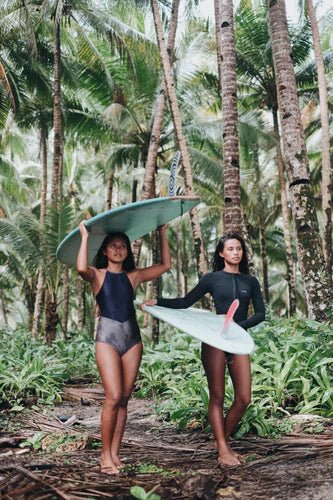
{"points": [[150, 302], [83, 230]]}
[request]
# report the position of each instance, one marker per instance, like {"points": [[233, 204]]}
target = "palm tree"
{"points": [[318, 291], [167, 71], [151, 163], [327, 178], [159, 110], [226, 57], [258, 91]]}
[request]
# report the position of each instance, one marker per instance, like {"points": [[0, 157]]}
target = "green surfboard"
{"points": [[134, 219]]}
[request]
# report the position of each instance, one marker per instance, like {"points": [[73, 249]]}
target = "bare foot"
{"points": [[235, 454], [116, 460], [109, 468], [228, 458]]}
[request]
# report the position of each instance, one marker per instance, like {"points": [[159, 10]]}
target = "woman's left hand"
{"points": [[150, 302]]}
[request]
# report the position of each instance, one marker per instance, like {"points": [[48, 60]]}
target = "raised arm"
{"points": [[259, 308], [153, 272], [82, 267]]}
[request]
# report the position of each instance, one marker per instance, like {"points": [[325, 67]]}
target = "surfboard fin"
{"points": [[229, 316]]}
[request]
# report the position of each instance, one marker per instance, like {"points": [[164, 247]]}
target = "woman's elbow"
{"points": [[80, 269], [166, 265]]}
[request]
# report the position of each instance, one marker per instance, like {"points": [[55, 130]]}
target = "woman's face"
{"points": [[232, 252], [116, 250]]}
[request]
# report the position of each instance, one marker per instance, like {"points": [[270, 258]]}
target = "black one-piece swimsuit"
{"points": [[117, 324]]}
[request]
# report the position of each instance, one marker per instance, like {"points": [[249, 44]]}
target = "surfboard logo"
{"points": [[173, 173], [229, 316]]}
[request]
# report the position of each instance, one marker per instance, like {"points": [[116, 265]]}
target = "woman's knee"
{"points": [[112, 402], [216, 398], [124, 400], [243, 400]]}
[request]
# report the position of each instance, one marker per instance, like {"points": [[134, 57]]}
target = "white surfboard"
{"points": [[207, 327]]}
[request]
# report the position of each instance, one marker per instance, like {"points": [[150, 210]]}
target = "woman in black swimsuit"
{"points": [[114, 280], [229, 280]]}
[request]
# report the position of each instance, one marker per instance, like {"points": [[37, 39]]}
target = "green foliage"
{"points": [[138, 492], [147, 468], [29, 368], [35, 441], [291, 373]]}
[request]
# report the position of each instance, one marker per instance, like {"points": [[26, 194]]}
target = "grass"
{"points": [[292, 372]]}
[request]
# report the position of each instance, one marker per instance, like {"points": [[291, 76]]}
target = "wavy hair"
{"points": [[218, 261], [101, 261]]}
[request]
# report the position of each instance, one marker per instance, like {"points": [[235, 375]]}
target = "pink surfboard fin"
{"points": [[229, 316]]}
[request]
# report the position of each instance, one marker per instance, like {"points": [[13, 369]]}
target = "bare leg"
{"points": [[109, 366], [240, 372], [130, 367], [214, 362]]}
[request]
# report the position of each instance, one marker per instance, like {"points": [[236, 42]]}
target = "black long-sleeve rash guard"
{"points": [[224, 288]]}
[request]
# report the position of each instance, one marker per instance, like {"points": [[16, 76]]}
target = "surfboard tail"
{"points": [[229, 316]]}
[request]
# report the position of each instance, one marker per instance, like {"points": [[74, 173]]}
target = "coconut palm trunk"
{"points": [[226, 58], [327, 178], [108, 192], [56, 187], [175, 112], [51, 317], [80, 286], [65, 305], [261, 222], [41, 274], [156, 287], [151, 162], [291, 271], [317, 290], [3, 308]]}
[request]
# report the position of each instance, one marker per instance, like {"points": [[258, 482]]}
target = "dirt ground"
{"points": [[179, 465]]}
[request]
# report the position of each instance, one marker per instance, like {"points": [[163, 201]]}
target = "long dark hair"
{"points": [[218, 261], [101, 261]]}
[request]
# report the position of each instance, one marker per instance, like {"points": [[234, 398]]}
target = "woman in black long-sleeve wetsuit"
{"points": [[228, 281]]}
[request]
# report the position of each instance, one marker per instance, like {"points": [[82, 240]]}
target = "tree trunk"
{"points": [[38, 307], [65, 304], [170, 86], [41, 274], [178, 262], [154, 143], [108, 192], [156, 286], [327, 178], [291, 268], [51, 317], [226, 58], [261, 223], [43, 157], [4, 308], [246, 237], [317, 290], [56, 187], [151, 162], [80, 285]]}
